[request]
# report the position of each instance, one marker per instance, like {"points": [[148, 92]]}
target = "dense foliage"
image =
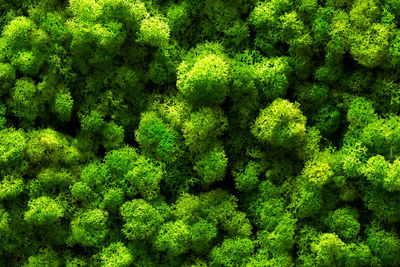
{"points": [[199, 133]]}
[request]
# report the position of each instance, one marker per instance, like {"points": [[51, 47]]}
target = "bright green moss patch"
{"points": [[222, 133]]}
